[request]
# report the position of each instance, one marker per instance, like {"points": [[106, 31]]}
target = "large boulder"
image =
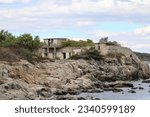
{"points": [[144, 70]]}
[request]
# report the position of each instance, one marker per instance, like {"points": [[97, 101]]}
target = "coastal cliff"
{"points": [[52, 80]]}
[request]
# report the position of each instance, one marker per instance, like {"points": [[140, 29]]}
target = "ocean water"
{"points": [[141, 94]]}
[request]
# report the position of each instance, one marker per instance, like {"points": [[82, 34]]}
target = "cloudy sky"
{"points": [[126, 21]]}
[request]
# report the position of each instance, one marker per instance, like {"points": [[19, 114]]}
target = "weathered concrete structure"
{"points": [[107, 48], [53, 49]]}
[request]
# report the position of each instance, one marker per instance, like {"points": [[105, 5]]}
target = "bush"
{"points": [[23, 46], [115, 43], [88, 55], [26, 54], [81, 43], [115, 55]]}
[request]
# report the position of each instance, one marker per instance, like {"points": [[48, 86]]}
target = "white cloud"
{"points": [[137, 40], [84, 23], [140, 46], [81, 15], [13, 1], [143, 31], [102, 33]]}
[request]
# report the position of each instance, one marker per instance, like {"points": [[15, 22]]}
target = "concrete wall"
{"points": [[46, 42], [68, 51], [50, 55], [109, 49], [59, 55], [54, 42], [76, 50], [118, 49]]}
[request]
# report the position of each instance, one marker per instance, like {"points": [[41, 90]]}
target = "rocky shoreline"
{"points": [[67, 78]]}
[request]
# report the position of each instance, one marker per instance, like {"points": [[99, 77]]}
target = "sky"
{"points": [[125, 21]]}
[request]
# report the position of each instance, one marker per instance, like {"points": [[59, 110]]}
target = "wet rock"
{"points": [[118, 84], [117, 90], [95, 91], [97, 99], [81, 98], [125, 85], [108, 89], [134, 88], [132, 91], [66, 97], [141, 88], [113, 89], [146, 81]]}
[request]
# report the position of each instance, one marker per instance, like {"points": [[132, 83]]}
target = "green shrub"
{"points": [[26, 54], [23, 46], [81, 43], [88, 55], [115, 55]]}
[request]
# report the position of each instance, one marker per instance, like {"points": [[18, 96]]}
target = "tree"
{"points": [[5, 35], [36, 43], [89, 42], [25, 40], [6, 39], [28, 42]]}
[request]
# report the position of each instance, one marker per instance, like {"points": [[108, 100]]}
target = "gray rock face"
{"points": [[23, 80]]}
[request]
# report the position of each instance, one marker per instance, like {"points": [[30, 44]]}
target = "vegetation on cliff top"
{"points": [[88, 55], [13, 48], [81, 43]]}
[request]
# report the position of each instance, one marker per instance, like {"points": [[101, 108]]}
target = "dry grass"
{"points": [[14, 54], [8, 54]]}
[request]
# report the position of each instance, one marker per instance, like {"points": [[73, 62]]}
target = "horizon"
{"points": [[124, 21]]}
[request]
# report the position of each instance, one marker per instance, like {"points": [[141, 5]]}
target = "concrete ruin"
{"points": [[106, 47], [53, 49]]}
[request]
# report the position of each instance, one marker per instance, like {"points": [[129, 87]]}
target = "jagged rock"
{"points": [[81, 98], [145, 70], [95, 91], [134, 87], [141, 88], [66, 97], [113, 89], [49, 80], [45, 92], [146, 81], [117, 90], [132, 91], [118, 84]]}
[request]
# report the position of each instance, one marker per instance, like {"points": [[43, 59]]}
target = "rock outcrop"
{"points": [[23, 80]]}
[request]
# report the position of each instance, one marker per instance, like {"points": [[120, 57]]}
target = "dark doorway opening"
{"points": [[64, 55]]}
